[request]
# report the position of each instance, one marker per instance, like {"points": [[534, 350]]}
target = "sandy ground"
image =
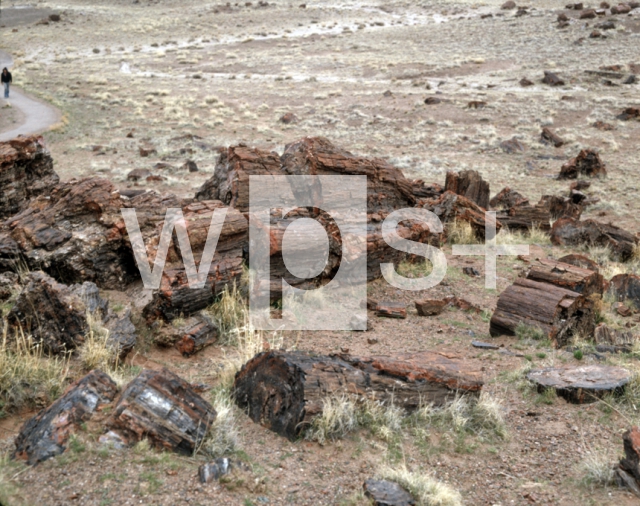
{"points": [[222, 74]]}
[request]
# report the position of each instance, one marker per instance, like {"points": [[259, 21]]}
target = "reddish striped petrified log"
{"points": [[567, 276]]}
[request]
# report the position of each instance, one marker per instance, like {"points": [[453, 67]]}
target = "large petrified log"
{"points": [[77, 233], [628, 469], [581, 384], [284, 391], [46, 434], [613, 339], [626, 287], [558, 312], [587, 163], [451, 207], [175, 297], [526, 217], [26, 171], [570, 232], [469, 183], [508, 198], [51, 313], [230, 180], [567, 276], [165, 409]]}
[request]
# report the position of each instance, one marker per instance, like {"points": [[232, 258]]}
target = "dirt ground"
{"points": [[187, 77]]}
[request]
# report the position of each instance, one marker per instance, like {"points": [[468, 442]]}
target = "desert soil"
{"points": [[189, 76]]}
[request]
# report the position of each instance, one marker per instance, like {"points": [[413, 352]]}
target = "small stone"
{"points": [[508, 5]]}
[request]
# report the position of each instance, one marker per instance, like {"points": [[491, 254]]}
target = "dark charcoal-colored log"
{"points": [[526, 217], [626, 287], [558, 312], [175, 297], [77, 233], [581, 384], [631, 462], [46, 434], [391, 309], [561, 207], [621, 341], [162, 407], [197, 336], [587, 163], [566, 276], [284, 391], [430, 307], [230, 180], [570, 232], [548, 137], [51, 312], [580, 261], [387, 493], [508, 198], [469, 183], [484, 346], [626, 480], [450, 207], [26, 171]]}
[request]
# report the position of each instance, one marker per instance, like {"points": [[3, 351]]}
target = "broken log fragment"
{"points": [[548, 137], [577, 279], [526, 217], [559, 313], [469, 183], [46, 434], [197, 336], [391, 310], [581, 384], [387, 493], [165, 409], [587, 163], [570, 232], [561, 207], [580, 261], [630, 464], [284, 391], [626, 287], [619, 340], [508, 198], [552, 79], [430, 307]]}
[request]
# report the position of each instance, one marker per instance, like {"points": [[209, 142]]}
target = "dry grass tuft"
{"points": [[461, 232], [96, 353], [223, 436], [229, 312], [533, 236], [27, 377], [596, 468], [339, 417], [426, 490], [9, 493]]}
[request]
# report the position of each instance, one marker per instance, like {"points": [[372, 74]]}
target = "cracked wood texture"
{"points": [[284, 391], [469, 184], [567, 276], [558, 312], [162, 407], [46, 434]]}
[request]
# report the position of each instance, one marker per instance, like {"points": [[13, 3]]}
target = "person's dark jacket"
{"points": [[6, 78]]}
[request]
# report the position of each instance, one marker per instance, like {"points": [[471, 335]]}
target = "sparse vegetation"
{"points": [[461, 232], [425, 488]]}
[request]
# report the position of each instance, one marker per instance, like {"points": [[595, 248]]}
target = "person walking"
{"points": [[6, 80]]}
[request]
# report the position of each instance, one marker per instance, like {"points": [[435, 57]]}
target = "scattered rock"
{"points": [[138, 174], [581, 384], [432, 100], [630, 80], [197, 336], [606, 25], [387, 493], [552, 79], [476, 104], [190, 166], [548, 137], [471, 272], [512, 145], [588, 14], [430, 307], [601, 125], [387, 93], [595, 34], [288, 118], [391, 310], [525, 82], [621, 309], [218, 468], [154, 179], [562, 17], [54, 17], [46, 434], [629, 113], [484, 346], [587, 163], [626, 288], [163, 408], [146, 151], [508, 5]]}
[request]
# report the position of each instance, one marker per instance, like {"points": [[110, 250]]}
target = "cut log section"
{"points": [[556, 311], [469, 184], [566, 276], [46, 434], [581, 384], [570, 232], [284, 391], [162, 407]]}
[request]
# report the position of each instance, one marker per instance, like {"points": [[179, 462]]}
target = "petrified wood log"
{"points": [[561, 207], [587, 163], [122, 334], [430, 307], [469, 183], [26, 171], [558, 312], [548, 137], [581, 384], [197, 336], [450, 207], [422, 190], [570, 232], [175, 297], [51, 312], [567, 276], [284, 391], [580, 261], [619, 340], [631, 461], [526, 217], [387, 493], [626, 287], [46, 434], [164, 408], [508, 198]]}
